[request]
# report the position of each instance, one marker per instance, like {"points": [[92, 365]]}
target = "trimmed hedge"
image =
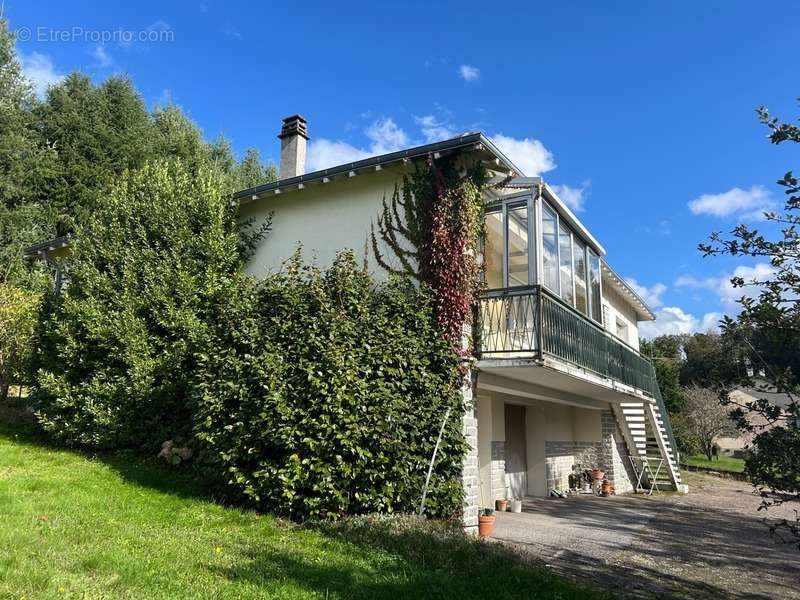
{"points": [[321, 394]]}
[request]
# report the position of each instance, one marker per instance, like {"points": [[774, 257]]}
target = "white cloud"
{"points": [[530, 155], [672, 320], [651, 295], [722, 286], [40, 70], [574, 197], [434, 129], [323, 154], [746, 204], [102, 58], [469, 73], [384, 134]]}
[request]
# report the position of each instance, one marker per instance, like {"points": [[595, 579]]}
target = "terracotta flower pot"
{"points": [[485, 525], [598, 474], [606, 488], [501, 505]]}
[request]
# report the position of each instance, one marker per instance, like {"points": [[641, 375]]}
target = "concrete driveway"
{"points": [[708, 544]]}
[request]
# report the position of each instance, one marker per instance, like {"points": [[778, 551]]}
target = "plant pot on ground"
{"points": [[501, 505], [516, 506], [486, 522]]}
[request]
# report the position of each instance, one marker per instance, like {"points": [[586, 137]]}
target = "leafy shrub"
{"points": [[18, 312], [322, 394], [117, 347]]}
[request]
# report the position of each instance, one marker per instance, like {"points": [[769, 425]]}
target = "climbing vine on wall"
{"points": [[432, 224]]}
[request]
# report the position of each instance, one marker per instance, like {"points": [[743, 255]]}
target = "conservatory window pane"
{"points": [[594, 286], [549, 249], [518, 245], [565, 263], [493, 250], [579, 253]]}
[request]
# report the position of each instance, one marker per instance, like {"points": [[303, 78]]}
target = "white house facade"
{"points": [[559, 385]]}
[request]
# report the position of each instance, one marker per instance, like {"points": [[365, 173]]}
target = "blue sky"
{"points": [[643, 113]]}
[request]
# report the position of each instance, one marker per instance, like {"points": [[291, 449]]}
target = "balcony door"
{"points": [[508, 251]]}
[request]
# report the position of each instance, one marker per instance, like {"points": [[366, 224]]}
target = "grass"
{"points": [[95, 527], [723, 463]]}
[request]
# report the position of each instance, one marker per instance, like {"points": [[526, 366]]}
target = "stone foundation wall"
{"points": [[562, 457], [470, 476], [498, 470], [615, 455]]}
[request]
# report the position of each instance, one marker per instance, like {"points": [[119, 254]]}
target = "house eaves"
{"points": [[626, 291], [493, 158]]}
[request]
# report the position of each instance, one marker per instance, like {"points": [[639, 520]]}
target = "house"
{"points": [[738, 445], [559, 384]]}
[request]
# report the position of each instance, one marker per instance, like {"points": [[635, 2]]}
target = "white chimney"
{"points": [[293, 136]]}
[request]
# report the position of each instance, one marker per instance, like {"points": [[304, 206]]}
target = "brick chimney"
{"points": [[293, 137]]}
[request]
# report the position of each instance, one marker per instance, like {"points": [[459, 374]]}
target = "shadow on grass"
{"points": [[405, 557], [132, 466], [358, 558]]}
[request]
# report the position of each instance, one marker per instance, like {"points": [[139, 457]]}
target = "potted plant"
{"points": [[486, 522], [516, 505], [501, 504], [598, 474]]}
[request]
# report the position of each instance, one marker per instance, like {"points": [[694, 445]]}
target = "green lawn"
{"points": [[723, 463], [77, 526]]}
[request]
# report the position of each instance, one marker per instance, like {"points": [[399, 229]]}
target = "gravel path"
{"points": [[708, 544]]}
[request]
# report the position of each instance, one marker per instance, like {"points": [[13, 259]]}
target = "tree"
{"points": [[705, 417], [24, 161], [769, 327], [18, 312], [666, 355], [117, 350]]}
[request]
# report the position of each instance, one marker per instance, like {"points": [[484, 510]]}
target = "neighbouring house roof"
{"points": [[764, 389], [48, 246]]}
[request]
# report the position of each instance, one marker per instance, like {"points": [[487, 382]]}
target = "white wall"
{"points": [[324, 218], [617, 308]]}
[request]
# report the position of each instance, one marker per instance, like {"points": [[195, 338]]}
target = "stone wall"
{"points": [[611, 455], [564, 457], [498, 470], [614, 456], [470, 477]]}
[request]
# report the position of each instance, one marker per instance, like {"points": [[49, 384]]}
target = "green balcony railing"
{"points": [[533, 322]]}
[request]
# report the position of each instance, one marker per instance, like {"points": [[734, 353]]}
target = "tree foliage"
{"points": [[705, 417], [148, 265], [769, 327], [18, 312], [60, 155], [320, 394]]}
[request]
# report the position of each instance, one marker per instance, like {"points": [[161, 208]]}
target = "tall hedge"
{"points": [[321, 394], [117, 349]]}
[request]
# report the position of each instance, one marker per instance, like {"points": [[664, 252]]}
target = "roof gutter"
{"points": [[476, 140]]}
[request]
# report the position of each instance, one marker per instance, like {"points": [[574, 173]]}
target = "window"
{"points": [[493, 250], [549, 248], [579, 253], [595, 299], [565, 263], [517, 236]]}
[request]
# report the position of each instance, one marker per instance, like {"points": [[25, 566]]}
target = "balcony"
{"points": [[532, 322]]}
